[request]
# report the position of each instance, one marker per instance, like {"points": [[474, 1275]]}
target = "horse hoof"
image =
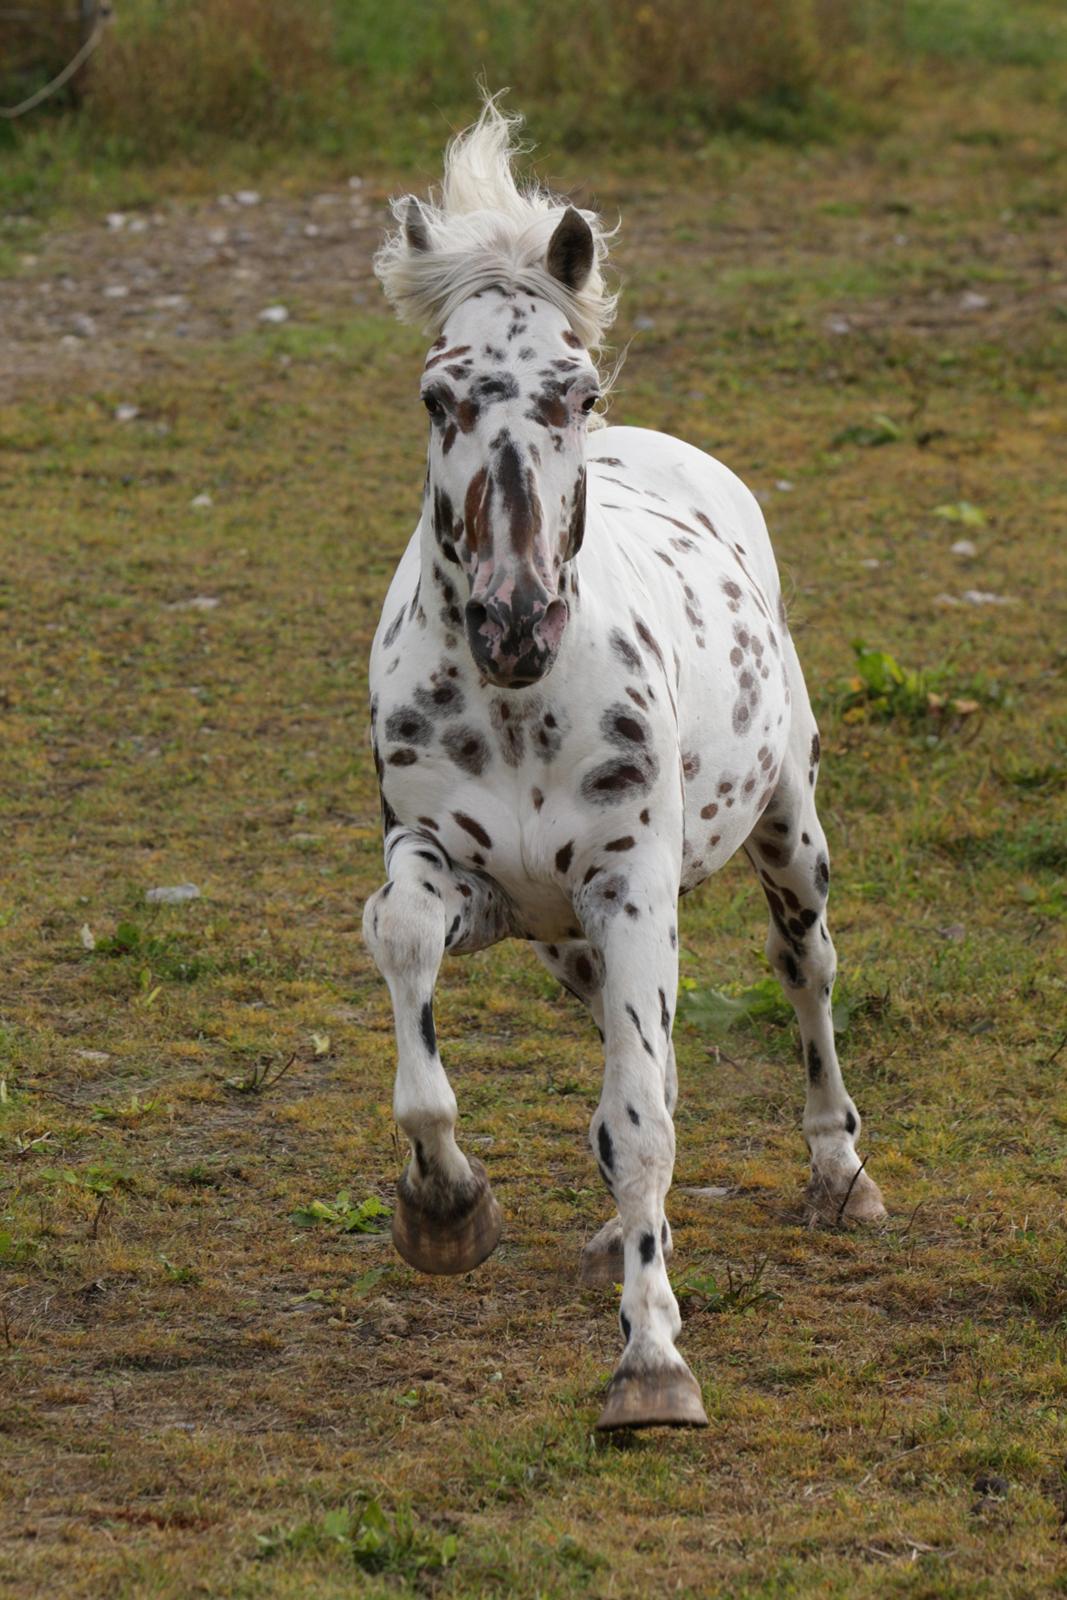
{"points": [[858, 1200], [453, 1244], [668, 1399], [603, 1261]]}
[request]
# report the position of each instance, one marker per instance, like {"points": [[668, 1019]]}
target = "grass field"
{"points": [[217, 1377]]}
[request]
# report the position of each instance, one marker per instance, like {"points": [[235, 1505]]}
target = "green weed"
{"points": [[743, 1292], [156, 954], [341, 1213], [369, 1538], [716, 1013]]}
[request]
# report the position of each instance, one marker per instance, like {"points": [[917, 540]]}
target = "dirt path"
{"points": [[93, 301]]}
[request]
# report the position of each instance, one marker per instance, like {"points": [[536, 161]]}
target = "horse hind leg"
{"points": [[788, 850], [578, 967], [446, 1219]]}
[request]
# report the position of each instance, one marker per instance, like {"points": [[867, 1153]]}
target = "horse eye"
{"points": [[589, 402], [433, 406]]}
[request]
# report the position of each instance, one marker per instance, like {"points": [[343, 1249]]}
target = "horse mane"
{"points": [[484, 228]]}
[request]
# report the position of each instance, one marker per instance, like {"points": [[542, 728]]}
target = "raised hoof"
{"points": [[839, 1202], [450, 1245], [603, 1262], [668, 1399]]}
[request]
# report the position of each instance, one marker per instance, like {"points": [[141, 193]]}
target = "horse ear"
{"points": [[416, 232], [571, 250]]}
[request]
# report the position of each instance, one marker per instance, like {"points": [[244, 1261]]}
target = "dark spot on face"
{"points": [[625, 843], [518, 493], [403, 758], [564, 856], [647, 1248], [634, 1118], [538, 799]]}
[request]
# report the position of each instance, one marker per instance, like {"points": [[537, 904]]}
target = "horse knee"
{"points": [[404, 928]]}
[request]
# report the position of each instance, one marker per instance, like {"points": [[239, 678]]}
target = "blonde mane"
{"points": [[484, 229]]}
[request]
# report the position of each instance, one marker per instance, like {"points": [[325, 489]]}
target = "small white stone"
{"points": [[274, 314], [170, 302], [139, 225], [115, 291], [217, 235], [964, 547], [870, 561], [199, 602], [127, 413], [311, 230], [838, 325], [970, 301], [98, 1056], [202, 502], [946, 600], [116, 221], [247, 197], [87, 937], [643, 324], [83, 326], [985, 597], [355, 183], [784, 485], [172, 895]]}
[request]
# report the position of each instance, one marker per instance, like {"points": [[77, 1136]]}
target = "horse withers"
{"points": [[584, 700]]}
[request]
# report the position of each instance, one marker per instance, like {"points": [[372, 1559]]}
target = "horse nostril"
{"points": [[549, 630], [476, 615]]}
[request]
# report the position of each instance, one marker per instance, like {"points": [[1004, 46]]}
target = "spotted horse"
{"points": [[584, 700]]}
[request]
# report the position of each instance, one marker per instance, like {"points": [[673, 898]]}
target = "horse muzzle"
{"points": [[515, 642]]}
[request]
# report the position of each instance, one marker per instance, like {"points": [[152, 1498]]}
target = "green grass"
{"points": [[202, 1394]]}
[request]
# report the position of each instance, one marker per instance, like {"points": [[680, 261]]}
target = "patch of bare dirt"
{"points": [[99, 299]]}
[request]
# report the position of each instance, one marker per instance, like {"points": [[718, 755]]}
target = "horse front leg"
{"points": [[446, 1219], [634, 927]]}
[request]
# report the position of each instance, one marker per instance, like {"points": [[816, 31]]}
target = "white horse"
{"points": [[584, 700]]}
